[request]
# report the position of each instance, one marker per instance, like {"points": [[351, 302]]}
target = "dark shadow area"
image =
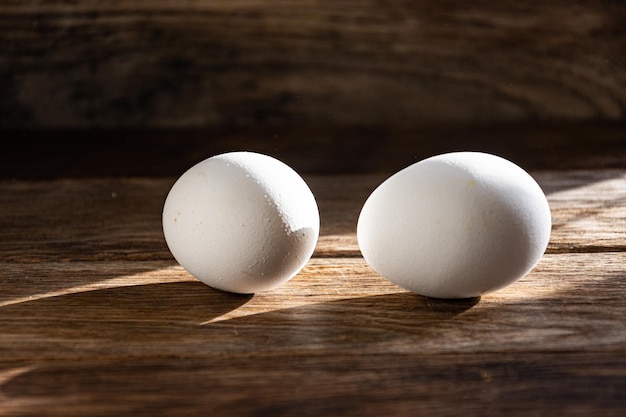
{"points": [[324, 385], [174, 318], [125, 320], [47, 154], [352, 324]]}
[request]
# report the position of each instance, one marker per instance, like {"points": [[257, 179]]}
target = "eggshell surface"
{"points": [[241, 222], [456, 225]]}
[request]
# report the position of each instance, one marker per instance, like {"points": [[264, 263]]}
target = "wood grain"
{"points": [[97, 319], [306, 385], [343, 63], [334, 306], [119, 219], [337, 339]]}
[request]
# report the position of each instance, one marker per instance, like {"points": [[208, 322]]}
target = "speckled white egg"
{"points": [[241, 222], [456, 225]]}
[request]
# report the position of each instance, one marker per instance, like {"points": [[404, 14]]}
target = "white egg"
{"points": [[241, 222], [456, 225]]}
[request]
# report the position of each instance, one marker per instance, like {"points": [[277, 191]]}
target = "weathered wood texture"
{"points": [[96, 318], [291, 63], [96, 220]]}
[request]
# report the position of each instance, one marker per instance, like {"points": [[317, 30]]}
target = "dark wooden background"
{"points": [[169, 63], [328, 86]]}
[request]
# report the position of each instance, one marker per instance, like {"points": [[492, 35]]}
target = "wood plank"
{"points": [[305, 63], [86, 311], [97, 319], [305, 385], [119, 219], [337, 339]]}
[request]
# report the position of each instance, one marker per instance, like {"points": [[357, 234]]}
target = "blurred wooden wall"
{"points": [[163, 63], [277, 66]]}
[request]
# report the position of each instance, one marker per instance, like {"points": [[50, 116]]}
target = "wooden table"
{"points": [[97, 319]]}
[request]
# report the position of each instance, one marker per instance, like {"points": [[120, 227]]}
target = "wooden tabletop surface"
{"points": [[97, 319]]}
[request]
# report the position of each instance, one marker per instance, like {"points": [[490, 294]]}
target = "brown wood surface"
{"points": [[134, 63], [96, 318]]}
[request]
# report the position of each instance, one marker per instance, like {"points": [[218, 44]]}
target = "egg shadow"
{"points": [[147, 319], [165, 330], [347, 323], [313, 357], [179, 318]]}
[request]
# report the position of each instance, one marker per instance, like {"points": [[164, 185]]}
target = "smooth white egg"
{"points": [[455, 225], [241, 222]]}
